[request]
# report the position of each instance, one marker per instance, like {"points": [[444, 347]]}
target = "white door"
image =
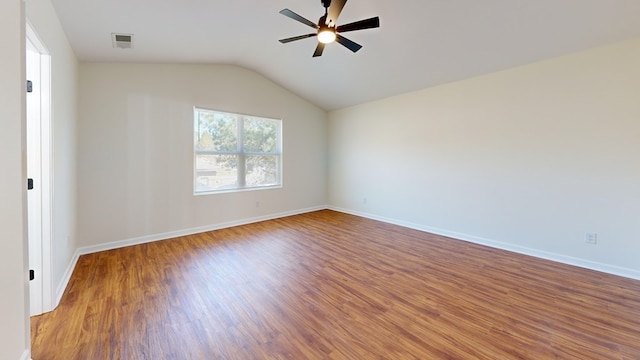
{"points": [[34, 173], [39, 199]]}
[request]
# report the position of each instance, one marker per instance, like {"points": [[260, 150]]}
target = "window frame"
{"points": [[239, 152]]}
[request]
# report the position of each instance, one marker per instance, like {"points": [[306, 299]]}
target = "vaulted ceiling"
{"points": [[420, 43]]}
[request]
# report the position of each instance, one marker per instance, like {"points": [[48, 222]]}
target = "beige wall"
{"points": [[528, 159], [14, 327], [64, 78], [135, 149]]}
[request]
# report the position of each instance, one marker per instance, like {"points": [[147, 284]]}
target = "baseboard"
{"points": [[610, 269], [26, 355], [185, 232], [62, 286], [587, 264], [163, 236]]}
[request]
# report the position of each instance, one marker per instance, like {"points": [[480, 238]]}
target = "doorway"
{"points": [[39, 195]]}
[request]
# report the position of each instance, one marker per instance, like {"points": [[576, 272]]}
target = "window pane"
{"points": [[216, 172], [235, 152], [262, 170], [260, 135], [216, 131]]}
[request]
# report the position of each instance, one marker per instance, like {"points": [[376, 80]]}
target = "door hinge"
{"points": [[32, 274], [29, 184], [29, 86]]}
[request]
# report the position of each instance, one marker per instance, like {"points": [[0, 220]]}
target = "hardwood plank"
{"points": [[327, 285]]}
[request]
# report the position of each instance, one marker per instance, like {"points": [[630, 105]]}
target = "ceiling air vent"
{"points": [[122, 41]]}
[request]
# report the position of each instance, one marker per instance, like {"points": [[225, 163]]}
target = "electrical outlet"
{"points": [[591, 238]]}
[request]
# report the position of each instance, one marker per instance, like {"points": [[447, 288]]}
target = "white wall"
{"points": [[528, 159], [135, 149], [64, 78], [14, 309]]}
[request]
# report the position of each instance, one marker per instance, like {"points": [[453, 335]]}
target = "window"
{"points": [[236, 152]]}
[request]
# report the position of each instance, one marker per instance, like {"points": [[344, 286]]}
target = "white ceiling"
{"points": [[420, 43]]}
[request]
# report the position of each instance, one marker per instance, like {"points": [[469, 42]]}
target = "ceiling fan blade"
{"points": [[334, 12], [319, 49], [348, 43], [288, 40], [294, 16], [374, 22]]}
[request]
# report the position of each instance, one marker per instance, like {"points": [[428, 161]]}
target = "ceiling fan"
{"points": [[327, 31]]}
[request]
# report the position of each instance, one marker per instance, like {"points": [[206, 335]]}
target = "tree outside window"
{"points": [[236, 152]]}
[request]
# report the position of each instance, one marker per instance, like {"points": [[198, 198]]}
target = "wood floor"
{"points": [[326, 285]]}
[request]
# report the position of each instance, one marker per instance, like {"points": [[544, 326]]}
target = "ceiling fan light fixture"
{"points": [[326, 35]]}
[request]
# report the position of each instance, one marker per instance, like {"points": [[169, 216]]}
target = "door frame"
{"points": [[46, 173]]}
